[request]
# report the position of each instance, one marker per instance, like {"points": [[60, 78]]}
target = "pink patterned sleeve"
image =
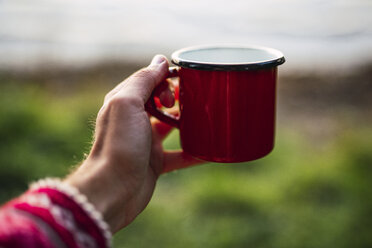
{"points": [[52, 214]]}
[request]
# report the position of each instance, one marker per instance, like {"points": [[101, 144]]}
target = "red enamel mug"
{"points": [[227, 98]]}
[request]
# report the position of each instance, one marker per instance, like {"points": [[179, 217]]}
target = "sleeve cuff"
{"points": [[69, 208]]}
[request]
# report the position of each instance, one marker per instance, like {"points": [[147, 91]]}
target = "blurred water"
{"points": [[311, 33]]}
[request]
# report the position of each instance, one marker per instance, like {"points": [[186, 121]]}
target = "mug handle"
{"points": [[153, 110]]}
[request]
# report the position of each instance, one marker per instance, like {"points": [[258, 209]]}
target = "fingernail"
{"points": [[158, 59]]}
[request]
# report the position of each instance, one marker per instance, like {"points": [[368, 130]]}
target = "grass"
{"points": [[301, 195]]}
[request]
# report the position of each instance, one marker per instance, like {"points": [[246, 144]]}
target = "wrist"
{"points": [[103, 190]]}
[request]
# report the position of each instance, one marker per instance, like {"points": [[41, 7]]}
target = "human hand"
{"points": [[127, 155]]}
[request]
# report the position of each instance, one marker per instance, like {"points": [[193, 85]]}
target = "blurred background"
{"points": [[59, 58]]}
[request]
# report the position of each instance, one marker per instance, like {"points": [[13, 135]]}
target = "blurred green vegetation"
{"points": [[301, 195]]}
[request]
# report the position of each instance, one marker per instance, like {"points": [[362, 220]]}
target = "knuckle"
{"points": [[124, 102], [146, 74], [107, 97]]}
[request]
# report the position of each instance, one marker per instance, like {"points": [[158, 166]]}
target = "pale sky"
{"points": [[308, 32]]}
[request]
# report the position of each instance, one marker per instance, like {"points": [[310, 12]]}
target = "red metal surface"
{"points": [[227, 116]]}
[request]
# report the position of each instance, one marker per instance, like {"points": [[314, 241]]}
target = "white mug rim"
{"points": [[278, 58]]}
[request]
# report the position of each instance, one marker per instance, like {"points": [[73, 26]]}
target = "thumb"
{"points": [[143, 82]]}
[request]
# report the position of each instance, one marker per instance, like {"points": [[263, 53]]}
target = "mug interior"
{"points": [[227, 57]]}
